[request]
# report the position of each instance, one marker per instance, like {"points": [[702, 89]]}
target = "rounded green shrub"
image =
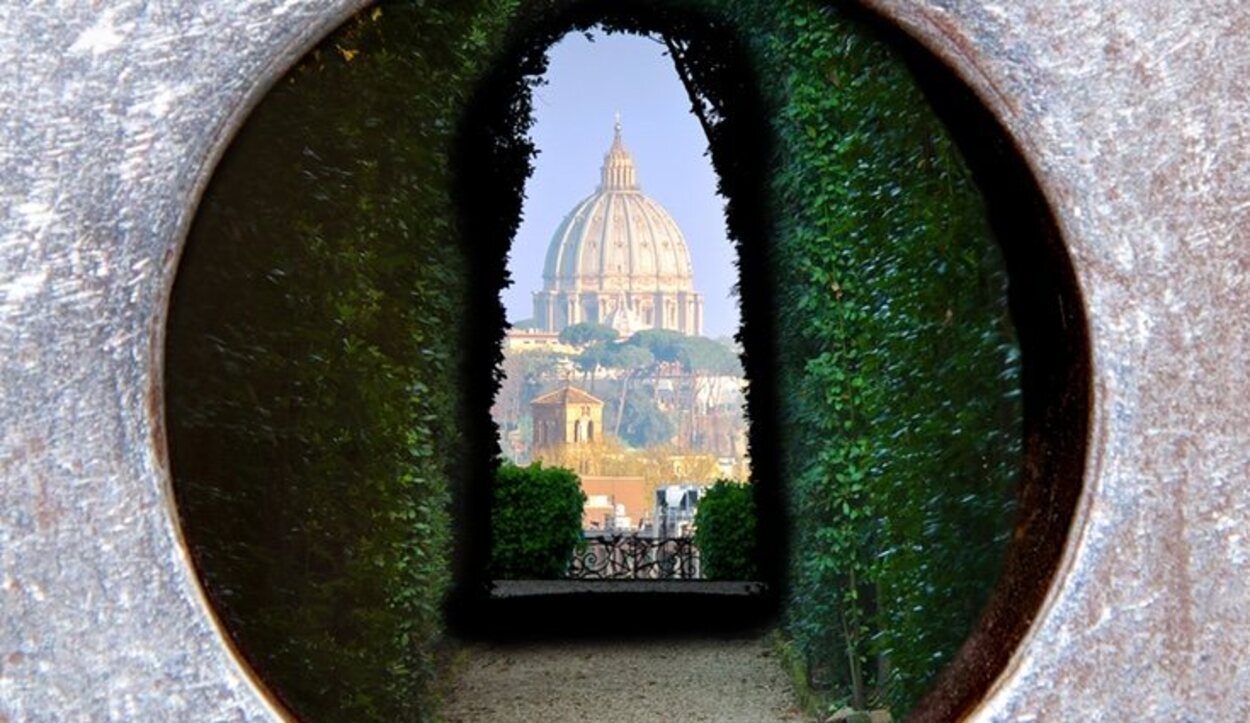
{"points": [[536, 521], [725, 532]]}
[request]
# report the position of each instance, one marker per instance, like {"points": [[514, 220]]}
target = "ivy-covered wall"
{"points": [[313, 364]]}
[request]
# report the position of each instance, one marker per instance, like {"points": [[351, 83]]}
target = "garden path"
{"points": [[735, 680]]}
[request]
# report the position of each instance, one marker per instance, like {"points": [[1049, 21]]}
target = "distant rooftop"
{"points": [[566, 395]]}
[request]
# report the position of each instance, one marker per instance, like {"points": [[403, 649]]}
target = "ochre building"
{"points": [[566, 416]]}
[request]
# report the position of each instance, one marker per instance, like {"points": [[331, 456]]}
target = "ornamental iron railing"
{"points": [[633, 557]]}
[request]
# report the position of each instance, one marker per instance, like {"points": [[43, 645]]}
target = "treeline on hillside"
{"points": [[626, 374]]}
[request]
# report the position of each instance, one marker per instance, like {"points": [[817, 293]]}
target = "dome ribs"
{"points": [[619, 246]]}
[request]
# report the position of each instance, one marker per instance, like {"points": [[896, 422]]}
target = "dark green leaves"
{"points": [[313, 361], [897, 367], [536, 521], [725, 532]]}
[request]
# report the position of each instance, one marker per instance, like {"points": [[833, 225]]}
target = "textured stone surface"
{"points": [[1135, 116], [113, 116]]}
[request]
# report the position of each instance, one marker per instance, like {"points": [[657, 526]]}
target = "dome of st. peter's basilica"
{"points": [[618, 258]]}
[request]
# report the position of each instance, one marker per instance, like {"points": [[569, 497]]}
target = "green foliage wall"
{"points": [[897, 366], [725, 532], [314, 396], [536, 521]]}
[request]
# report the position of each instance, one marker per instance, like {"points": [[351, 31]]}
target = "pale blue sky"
{"points": [[587, 84]]}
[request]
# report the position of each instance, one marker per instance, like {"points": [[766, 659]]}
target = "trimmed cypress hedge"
{"points": [[897, 364], [313, 365]]}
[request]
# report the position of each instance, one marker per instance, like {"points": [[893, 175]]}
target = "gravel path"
{"points": [[735, 680]]}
